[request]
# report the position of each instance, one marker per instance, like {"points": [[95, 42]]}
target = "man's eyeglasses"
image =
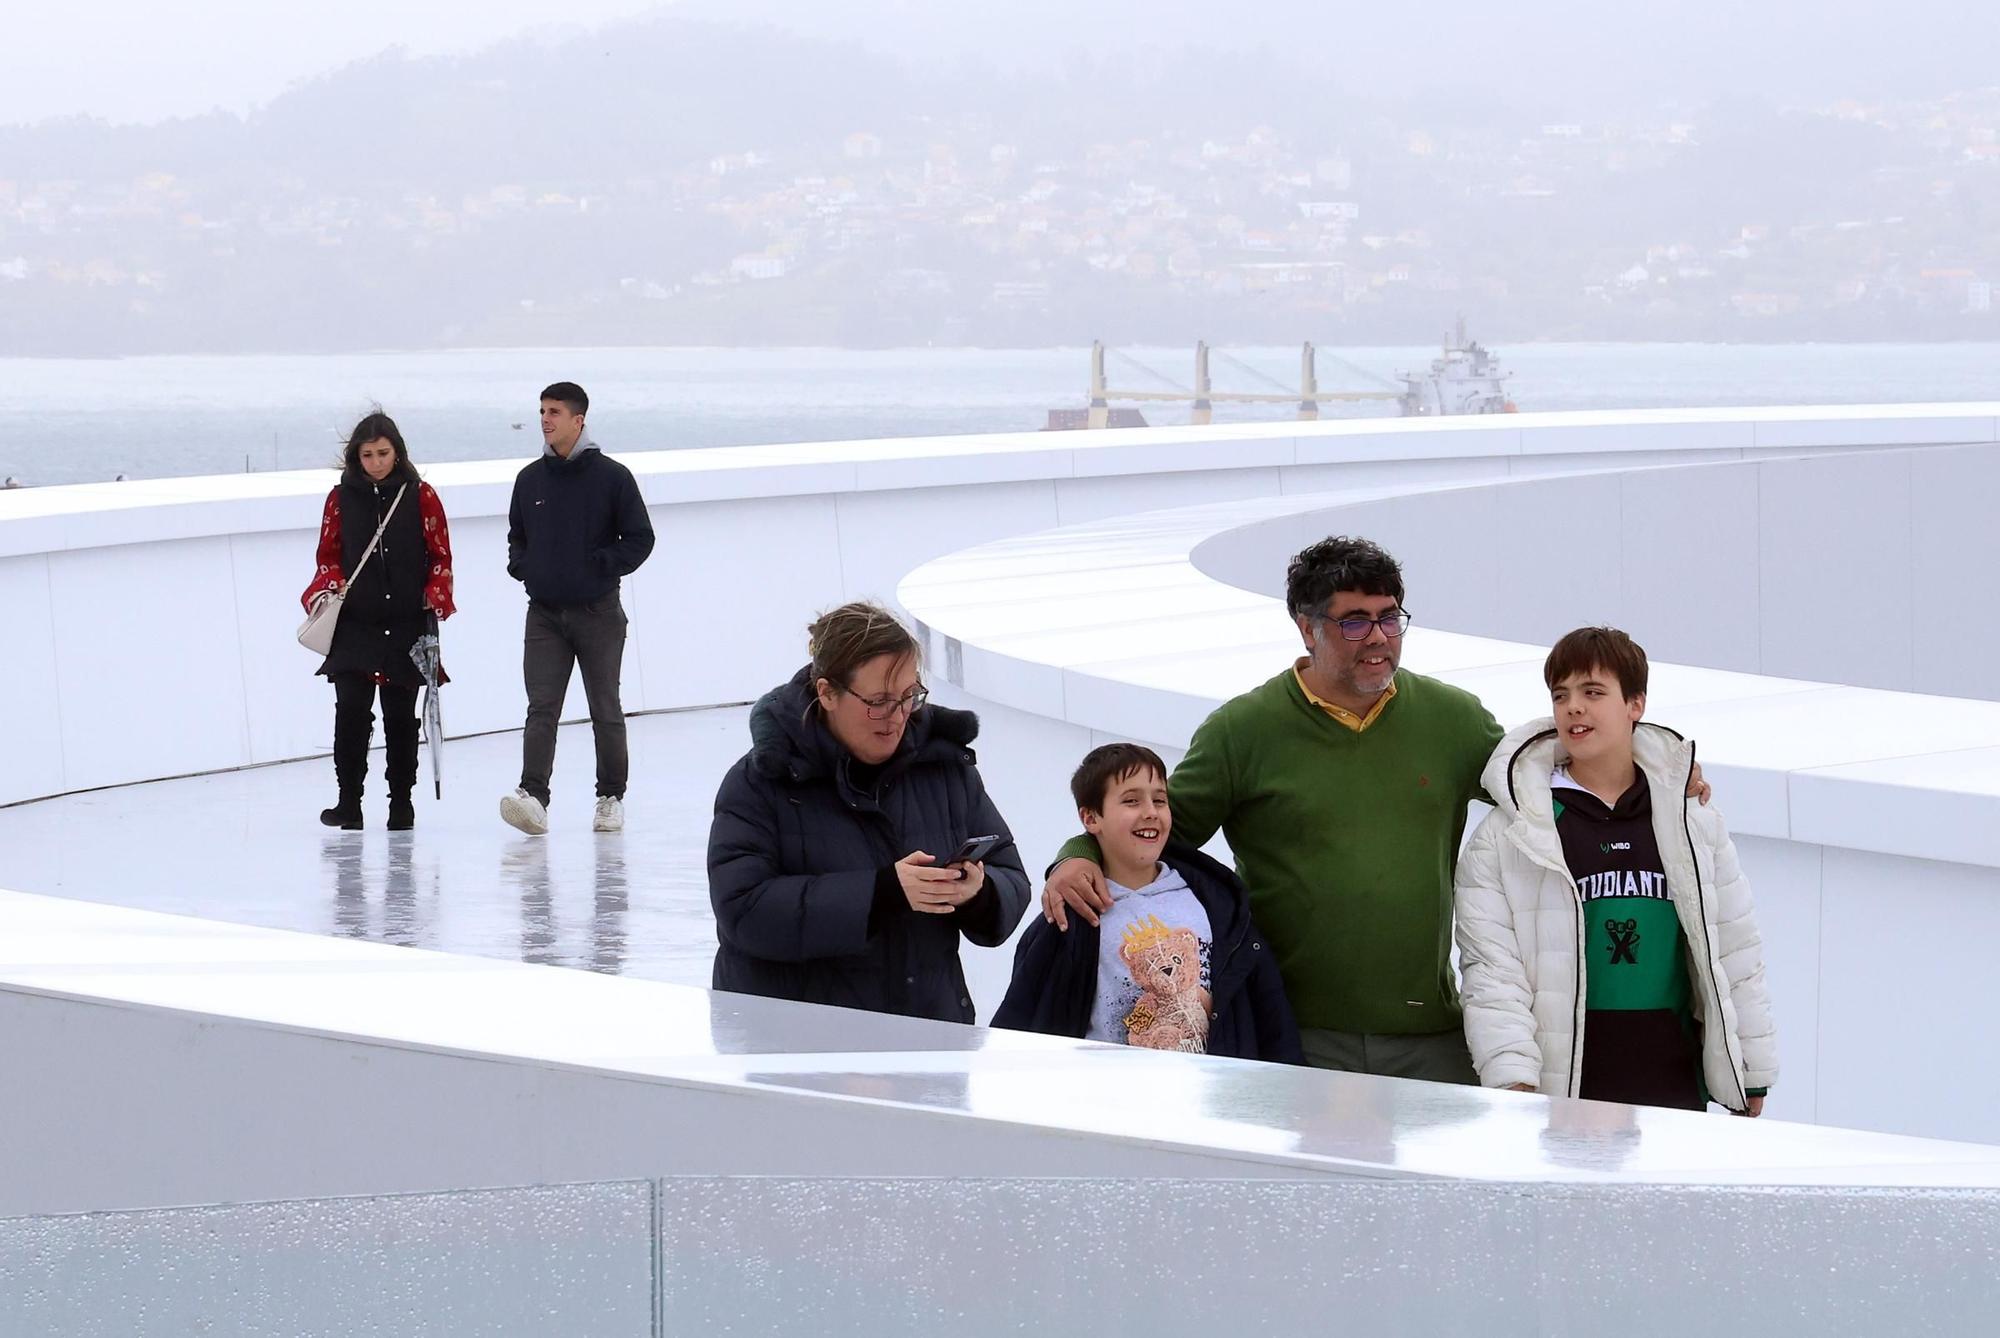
{"points": [[1357, 629], [881, 708]]}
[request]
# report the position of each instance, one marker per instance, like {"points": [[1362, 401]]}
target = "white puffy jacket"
{"points": [[1520, 926]]}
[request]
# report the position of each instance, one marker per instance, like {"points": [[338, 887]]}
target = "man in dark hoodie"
{"points": [[577, 524]]}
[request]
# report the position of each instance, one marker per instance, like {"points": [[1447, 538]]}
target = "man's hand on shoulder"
{"points": [[1076, 885]]}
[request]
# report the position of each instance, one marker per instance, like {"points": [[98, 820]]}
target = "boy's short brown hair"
{"points": [[1605, 649], [1104, 767]]}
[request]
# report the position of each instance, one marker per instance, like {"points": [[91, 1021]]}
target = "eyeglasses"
{"points": [[881, 708], [1357, 629]]}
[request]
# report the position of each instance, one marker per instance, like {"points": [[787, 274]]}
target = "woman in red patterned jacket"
{"points": [[399, 588]]}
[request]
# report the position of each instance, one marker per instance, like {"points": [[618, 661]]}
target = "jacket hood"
{"points": [[787, 740], [1517, 774], [584, 446]]}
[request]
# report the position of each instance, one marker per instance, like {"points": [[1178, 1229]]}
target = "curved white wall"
{"points": [[1874, 569], [150, 623], [1869, 819]]}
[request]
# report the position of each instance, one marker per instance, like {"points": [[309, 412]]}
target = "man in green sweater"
{"points": [[1341, 786]]}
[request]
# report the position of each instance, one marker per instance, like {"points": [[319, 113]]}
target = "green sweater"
{"points": [[1345, 840]]}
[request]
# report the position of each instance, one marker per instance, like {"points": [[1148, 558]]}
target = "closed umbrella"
{"points": [[425, 652]]}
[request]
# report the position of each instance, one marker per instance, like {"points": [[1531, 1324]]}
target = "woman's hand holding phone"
{"points": [[934, 889]]}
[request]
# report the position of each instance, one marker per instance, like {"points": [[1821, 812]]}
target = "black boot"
{"points": [[346, 814], [353, 722], [399, 732]]}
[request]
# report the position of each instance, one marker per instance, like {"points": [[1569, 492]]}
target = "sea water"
{"points": [[79, 420]]}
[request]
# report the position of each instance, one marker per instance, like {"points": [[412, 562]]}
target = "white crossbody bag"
{"points": [[316, 632]]}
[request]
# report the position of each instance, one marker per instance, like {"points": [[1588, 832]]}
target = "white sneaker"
{"points": [[523, 811], [610, 814]]}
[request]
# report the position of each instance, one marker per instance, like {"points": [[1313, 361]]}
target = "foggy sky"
{"points": [[134, 60]]}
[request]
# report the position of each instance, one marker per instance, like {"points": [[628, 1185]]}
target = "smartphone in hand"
{"points": [[972, 850]]}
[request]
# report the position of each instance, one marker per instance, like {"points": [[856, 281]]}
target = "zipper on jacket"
{"points": [[1708, 951], [382, 544], [1576, 1010]]}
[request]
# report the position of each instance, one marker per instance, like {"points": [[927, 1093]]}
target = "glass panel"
{"points": [[968, 1257], [559, 1259]]}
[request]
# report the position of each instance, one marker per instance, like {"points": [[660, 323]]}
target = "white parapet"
{"points": [[179, 1061], [150, 622]]}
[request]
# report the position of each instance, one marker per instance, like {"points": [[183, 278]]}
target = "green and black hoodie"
{"points": [[1640, 1043]]}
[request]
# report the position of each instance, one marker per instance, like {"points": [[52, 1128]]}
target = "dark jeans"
{"points": [[558, 639], [1440, 1056], [354, 722]]}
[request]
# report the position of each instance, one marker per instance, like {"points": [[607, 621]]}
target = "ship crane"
{"points": [[1466, 380], [1203, 397]]}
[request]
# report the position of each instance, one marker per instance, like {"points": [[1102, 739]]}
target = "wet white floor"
{"points": [[247, 847]]}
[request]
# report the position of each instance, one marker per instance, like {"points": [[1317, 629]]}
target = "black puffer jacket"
{"points": [[384, 611], [796, 850], [1055, 972]]}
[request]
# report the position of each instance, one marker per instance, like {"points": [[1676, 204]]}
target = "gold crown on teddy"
{"points": [[1143, 934]]}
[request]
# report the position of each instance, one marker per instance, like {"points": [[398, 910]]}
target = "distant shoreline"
{"points": [[77, 420]]}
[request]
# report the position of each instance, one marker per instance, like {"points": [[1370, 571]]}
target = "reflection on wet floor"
{"points": [[353, 917], [524, 871], [246, 846]]}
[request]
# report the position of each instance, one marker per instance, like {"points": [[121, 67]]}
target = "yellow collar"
{"points": [[1357, 723]]}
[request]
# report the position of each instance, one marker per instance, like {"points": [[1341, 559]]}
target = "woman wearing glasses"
{"points": [[827, 857]]}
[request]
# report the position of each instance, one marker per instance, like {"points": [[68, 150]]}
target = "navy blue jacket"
{"points": [[575, 526], [1055, 972], [797, 854]]}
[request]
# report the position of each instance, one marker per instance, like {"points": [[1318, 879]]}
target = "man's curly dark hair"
{"points": [[1338, 563]]}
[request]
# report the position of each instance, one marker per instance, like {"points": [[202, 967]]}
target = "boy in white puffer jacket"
{"points": [[1605, 931]]}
